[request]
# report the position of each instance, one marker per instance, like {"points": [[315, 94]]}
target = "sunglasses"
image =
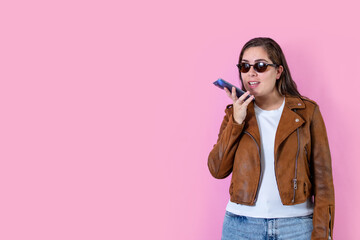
{"points": [[258, 67]]}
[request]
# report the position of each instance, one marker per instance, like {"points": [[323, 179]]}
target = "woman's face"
{"points": [[260, 84]]}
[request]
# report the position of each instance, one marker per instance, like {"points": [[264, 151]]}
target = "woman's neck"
{"points": [[269, 102]]}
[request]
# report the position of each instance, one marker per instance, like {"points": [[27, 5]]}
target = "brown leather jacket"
{"points": [[302, 160]]}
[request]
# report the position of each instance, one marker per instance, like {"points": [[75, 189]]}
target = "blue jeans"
{"points": [[237, 227]]}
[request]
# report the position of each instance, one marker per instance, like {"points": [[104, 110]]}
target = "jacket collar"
{"points": [[294, 102], [288, 123]]}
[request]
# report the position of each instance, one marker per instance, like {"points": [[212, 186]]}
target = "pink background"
{"points": [[108, 111]]}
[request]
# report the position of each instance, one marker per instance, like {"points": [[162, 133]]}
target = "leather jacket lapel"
{"points": [[251, 125], [289, 120]]}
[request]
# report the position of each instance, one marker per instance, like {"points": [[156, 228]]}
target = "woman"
{"points": [[277, 150]]}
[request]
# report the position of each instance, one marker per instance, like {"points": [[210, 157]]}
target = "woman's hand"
{"points": [[239, 105]]}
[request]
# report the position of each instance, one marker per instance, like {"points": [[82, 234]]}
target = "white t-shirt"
{"points": [[268, 203]]}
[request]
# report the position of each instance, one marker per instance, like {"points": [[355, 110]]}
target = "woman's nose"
{"points": [[252, 71]]}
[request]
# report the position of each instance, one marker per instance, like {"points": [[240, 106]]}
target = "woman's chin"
{"points": [[254, 93]]}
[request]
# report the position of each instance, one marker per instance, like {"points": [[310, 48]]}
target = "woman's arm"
{"points": [[324, 209], [221, 157]]}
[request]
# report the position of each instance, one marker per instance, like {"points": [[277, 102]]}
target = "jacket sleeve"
{"points": [[324, 208], [221, 157]]}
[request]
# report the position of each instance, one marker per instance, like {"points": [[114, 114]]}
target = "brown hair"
{"points": [[285, 84]]}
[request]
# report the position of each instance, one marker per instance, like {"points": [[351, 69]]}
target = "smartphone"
{"points": [[221, 83]]}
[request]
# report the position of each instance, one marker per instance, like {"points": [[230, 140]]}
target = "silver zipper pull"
{"points": [[295, 183]]}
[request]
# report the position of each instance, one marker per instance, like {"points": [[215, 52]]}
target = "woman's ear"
{"points": [[279, 71]]}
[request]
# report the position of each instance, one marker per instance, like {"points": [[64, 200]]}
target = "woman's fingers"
{"points": [[244, 96], [248, 101], [239, 100], [233, 94], [227, 92]]}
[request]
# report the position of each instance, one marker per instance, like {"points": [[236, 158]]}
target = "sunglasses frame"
{"points": [[256, 68]]}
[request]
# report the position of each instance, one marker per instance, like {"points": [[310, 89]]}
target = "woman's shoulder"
{"points": [[298, 99], [308, 101], [303, 104], [310, 107]]}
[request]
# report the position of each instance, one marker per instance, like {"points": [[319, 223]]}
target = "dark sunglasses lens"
{"points": [[244, 67], [260, 67]]}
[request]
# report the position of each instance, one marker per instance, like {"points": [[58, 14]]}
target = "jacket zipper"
{"points": [[257, 145], [296, 163]]}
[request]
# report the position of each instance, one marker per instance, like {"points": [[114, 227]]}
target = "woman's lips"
{"points": [[253, 84]]}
